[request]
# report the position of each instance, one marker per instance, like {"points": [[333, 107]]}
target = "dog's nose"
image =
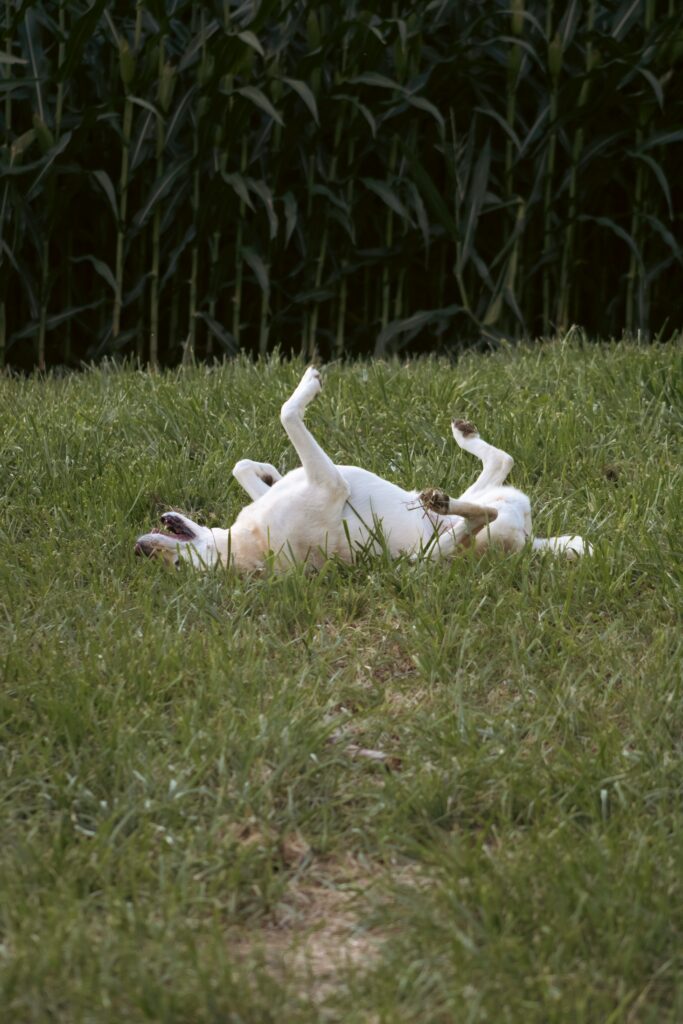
{"points": [[143, 548]]}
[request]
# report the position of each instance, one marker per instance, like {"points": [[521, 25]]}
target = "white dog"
{"points": [[321, 510]]}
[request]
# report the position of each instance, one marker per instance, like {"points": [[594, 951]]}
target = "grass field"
{"points": [[384, 793]]}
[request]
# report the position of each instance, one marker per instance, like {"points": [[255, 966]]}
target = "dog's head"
{"points": [[180, 539]]}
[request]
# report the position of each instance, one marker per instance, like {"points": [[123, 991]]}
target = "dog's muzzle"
{"points": [[144, 548]]}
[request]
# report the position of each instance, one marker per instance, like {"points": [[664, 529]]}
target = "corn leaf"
{"points": [[259, 268], [306, 95], [105, 183], [81, 31], [259, 99], [160, 189]]}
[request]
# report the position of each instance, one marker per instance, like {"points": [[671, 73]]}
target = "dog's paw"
{"points": [[313, 377], [435, 500], [463, 429], [308, 387], [310, 384]]}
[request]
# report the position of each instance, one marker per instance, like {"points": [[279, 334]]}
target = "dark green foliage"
{"points": [[185, 178]]}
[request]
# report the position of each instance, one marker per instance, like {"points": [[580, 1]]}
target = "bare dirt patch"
{"points": [[323, 928]]}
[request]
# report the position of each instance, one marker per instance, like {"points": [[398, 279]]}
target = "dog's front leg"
{"points": [[319, 468], [255, 477]]}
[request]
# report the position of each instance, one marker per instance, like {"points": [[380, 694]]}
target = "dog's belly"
{"points": [[303, 522], [378, 511]]}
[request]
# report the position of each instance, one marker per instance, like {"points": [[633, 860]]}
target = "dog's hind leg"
{"points": [[255, 477], [319, 468], [458, 523], [496, 463], [505, 521]]}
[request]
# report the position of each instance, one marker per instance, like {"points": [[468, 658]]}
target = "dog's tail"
{"points": [[571, 547]]}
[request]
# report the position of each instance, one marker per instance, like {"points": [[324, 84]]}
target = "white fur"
{"points": [[322, 509]]}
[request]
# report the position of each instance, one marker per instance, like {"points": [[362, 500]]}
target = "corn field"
{"points": [[184, 180]]}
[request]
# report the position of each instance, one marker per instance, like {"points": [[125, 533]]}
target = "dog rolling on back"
{"points": [[322, 509]]}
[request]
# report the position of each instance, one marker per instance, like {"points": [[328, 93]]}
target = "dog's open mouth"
{"points": [[174, 527]]}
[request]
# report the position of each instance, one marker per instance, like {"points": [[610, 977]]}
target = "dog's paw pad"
{"points": [[465, 428], [435, 500]]}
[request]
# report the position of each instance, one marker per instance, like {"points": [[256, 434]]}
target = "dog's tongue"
{"points": [[177, 535]]}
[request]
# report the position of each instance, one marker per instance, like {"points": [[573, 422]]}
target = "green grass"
{"points": [[183, 797]]}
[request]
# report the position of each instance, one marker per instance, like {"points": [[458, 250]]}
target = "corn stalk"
{"points": [[634, 278], [166, 82], [568, 254], [554, 69]]}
